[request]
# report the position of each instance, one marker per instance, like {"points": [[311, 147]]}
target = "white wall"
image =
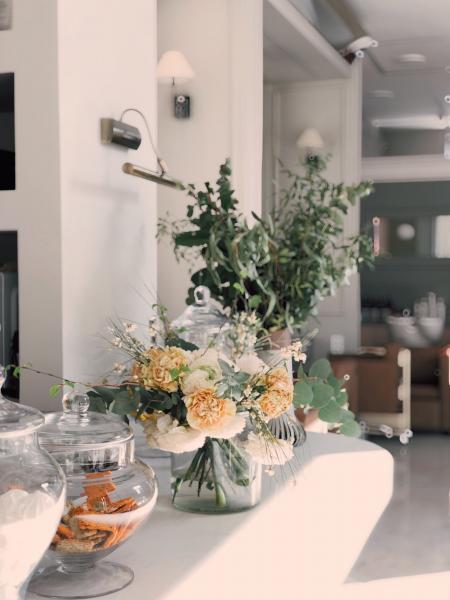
{"points": [[334, 108], [86, 231], [222, 39], [107, 61], [29, 50]]}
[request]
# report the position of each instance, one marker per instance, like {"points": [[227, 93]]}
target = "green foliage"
{"points": [[320, 389], [282, 266]]}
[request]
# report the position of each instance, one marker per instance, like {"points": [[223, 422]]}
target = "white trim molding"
{"points": [[246, 101], [292, 32], [384, 169]]}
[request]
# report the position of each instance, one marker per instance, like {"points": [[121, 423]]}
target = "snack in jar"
{"points": [[109, 495]]}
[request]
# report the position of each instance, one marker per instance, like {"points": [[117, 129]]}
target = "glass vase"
{"points": [[219, 477]]}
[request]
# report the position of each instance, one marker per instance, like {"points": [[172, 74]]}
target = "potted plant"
{"points": [[279, 267]]}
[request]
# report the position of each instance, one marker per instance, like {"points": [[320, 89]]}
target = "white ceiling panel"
{"points": [[403, 19]]}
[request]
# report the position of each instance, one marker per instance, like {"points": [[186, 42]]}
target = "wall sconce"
{"points": [[310, 143], [129, 136], [174, 68]]}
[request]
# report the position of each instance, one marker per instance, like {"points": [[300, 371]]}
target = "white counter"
{"points": [[299, 543]]}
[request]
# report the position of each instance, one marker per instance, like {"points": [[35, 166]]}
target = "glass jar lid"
{"points": [[79, 428], [17, 419], [203, 320]]}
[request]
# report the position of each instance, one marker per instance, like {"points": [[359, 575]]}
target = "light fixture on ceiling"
{"points": [[310, 143], [173, 68], [357, 48], [123, 134], [382, 94], [411, 58]]}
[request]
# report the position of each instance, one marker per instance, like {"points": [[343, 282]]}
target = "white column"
{"points": [[246, 104]]}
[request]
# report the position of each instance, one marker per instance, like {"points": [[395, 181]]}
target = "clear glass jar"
{"points": [[32, 492], [203, 322], [109, 495], [219, 477]]}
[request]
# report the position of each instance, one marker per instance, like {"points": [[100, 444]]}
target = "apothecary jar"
{"points": [[32, 492], [109, 495], [203, 322]]}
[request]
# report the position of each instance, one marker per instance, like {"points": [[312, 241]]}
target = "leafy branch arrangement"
{"points": [[320, 389], [281, 266]]}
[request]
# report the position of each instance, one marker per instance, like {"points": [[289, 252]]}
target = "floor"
{"points": [[413, 535]]}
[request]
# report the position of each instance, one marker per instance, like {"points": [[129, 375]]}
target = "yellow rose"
{"points": [[279, 394], [274, 403], [278, 379], [157, 374], [214, 416]]}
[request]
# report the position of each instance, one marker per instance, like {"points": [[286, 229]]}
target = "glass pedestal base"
{"points": [[98, 580]]}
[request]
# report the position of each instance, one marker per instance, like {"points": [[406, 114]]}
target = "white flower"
{"points": [[119, 368], [228, 428], [166, 434], [296, 351], [205, 359], [130, 327], [349, 271], [200, 378], [267, 452], [181, 439], [251, 364]]}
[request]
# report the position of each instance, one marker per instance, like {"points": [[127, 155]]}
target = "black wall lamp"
{"points": [[123, 134]]}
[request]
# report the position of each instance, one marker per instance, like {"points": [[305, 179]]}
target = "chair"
{"points": [[379, 388], [406, 388]]}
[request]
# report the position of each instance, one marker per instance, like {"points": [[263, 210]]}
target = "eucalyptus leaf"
{"points": [[331, 412], [125, 403], [346, 415], [96, 403], [342, 398], [321, 369], [350, 428], [323, 393], [303, 394]]}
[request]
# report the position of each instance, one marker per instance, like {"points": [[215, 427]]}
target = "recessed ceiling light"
{"points": [[412, 58], [385, 94]]}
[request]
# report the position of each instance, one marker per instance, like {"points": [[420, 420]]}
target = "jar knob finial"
{"points": [[76, 404], [202, 295]]}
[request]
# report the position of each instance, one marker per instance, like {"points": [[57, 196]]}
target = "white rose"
{"points": [[181, 439], [208, 359], [228, 428], [165, 423], [166, 434], [268, 452], [196, 380], [251, 364]]}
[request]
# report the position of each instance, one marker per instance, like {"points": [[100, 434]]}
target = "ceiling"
{"points": [[401, 27], [405, 27], [294, 49]]}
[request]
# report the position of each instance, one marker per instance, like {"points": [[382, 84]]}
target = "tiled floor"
{"points": [[413, 535]]}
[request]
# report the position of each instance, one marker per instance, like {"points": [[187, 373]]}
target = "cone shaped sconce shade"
{"points": [[173, 67], [309, 140]]}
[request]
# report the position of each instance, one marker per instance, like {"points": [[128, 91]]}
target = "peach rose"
{"points": [[157, 374], [278, 379], [214, 416], [274, 403]]}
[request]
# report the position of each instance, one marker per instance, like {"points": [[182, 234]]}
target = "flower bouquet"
{"points": [[210, 413]]}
